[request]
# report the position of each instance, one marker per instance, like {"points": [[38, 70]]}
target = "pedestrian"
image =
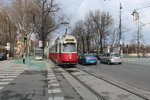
{"points": [[24, 56]]}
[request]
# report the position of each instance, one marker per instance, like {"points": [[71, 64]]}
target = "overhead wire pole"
{"points": [[135, 15], [120, 33]]}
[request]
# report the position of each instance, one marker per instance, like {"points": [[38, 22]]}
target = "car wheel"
{"points": [[95, 63], [108, 62], [120, 63]]}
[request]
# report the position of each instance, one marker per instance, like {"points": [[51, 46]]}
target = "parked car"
{"points": [[110, 58], [87, 59], [3, 56]]}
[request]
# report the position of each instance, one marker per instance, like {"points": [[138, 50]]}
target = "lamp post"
{"points": [[120, 33], [135, 15]]}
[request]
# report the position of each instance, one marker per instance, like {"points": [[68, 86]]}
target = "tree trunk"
{"points": [[83, 45]]}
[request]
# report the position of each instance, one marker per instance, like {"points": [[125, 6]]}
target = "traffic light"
{"points": [[25, 39]]}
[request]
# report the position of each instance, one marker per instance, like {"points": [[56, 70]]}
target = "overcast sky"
{"points": [[77, 9]]}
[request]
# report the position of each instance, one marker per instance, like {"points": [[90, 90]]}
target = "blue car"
{"points": [[87, 59]]}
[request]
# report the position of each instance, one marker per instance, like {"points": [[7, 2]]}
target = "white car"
{"points": [[110, 58]]}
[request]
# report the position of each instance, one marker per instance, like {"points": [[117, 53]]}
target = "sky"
{"points": [[77, 9]]}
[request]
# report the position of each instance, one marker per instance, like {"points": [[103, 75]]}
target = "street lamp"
{"points": [[135, 15]]}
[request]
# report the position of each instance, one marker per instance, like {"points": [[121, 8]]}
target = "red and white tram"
{"points": [[64, 51]]}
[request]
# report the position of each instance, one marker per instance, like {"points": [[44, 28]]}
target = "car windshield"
{"points": [[115, 55], [69, 47]]}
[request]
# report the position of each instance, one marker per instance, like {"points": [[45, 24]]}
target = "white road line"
{"points": [[56, 90], [59, 98], [4, 83], [11, 76], [52, 78], [1, 88], [49, 86], [7, 79], [49, 76], [50, 98], [14, 74], [55, 84], [52, 81], [49, 91], [4, 74]]}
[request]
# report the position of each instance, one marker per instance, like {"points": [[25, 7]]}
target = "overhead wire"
{"points": [[142, 7], [76, 9]]}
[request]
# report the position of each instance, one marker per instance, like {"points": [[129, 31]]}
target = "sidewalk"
{"points": [[30, 62], [141, 61]]}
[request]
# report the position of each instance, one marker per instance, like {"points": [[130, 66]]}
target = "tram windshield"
{"points": [[69, 47]]}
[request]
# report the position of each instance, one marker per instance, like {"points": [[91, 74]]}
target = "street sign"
{"points": [[7, 47], [8, 44], [40, 44]]}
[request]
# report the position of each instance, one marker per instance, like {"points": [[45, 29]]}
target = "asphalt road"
{"points": [[29, 85], [133, 74], [17, 82]]}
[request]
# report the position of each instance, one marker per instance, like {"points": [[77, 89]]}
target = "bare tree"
{"points": [[102, 21], [79, 33], [46, 20]]}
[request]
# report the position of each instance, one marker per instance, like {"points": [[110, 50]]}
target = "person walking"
{"points": [[24, 56]]}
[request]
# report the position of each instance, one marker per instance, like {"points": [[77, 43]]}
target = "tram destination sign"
{"points": [[69, 39]]}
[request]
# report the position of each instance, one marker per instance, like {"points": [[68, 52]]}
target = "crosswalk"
{"points": [[54, 87], [8, 75]]}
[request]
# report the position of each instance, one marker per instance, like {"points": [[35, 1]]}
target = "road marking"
{"points": [[11, 76], [50, 75], [1, 88], [50, 98], [59, 98], [4, 74], [55, 84], [52, 78], [49, 86], [4, 83], [53, 81], [49, 91], [6, 79], [14, 74], [56, 90]]}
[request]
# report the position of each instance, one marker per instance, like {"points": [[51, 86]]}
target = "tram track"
{"points": [[112, 83], [95, 92], [89, 88]]}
